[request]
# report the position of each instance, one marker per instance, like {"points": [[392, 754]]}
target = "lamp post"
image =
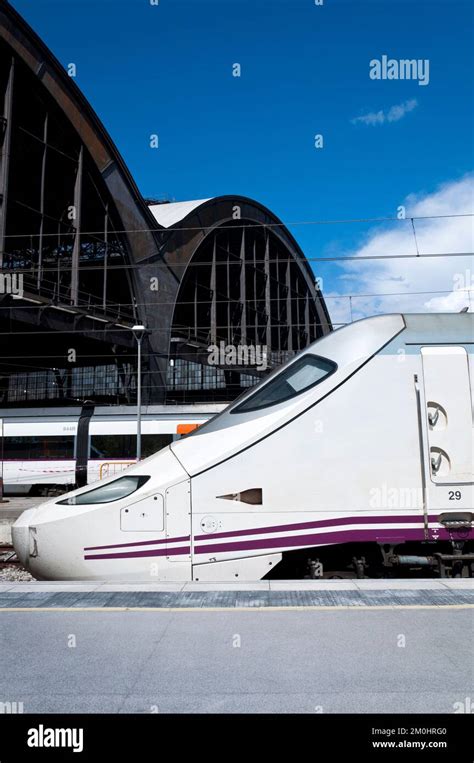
{"points": [[139, 332]]}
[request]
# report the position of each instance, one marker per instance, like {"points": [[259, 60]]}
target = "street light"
{"points": [[139, 332]]}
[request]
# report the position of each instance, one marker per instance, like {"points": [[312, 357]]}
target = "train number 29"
{"points": [[454, 495]]}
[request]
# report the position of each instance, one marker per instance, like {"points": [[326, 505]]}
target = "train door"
{"points": [[178, 527], [447, 422]]}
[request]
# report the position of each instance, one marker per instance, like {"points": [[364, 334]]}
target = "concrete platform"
{"points": [[305, 660], [260, 595]]}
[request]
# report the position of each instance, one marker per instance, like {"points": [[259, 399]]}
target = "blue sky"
{"points": [[167, 69]]}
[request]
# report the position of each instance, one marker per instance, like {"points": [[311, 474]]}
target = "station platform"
{"points": [[310, 646], [278, 594]]}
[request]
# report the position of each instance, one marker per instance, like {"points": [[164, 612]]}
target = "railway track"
{"points": [[8, 556]]}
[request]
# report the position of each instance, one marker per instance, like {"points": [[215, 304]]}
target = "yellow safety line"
{"points": [[294, 608]]}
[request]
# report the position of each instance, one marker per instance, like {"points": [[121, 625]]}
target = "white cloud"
{"points": [[434, 284], [392, 115]]}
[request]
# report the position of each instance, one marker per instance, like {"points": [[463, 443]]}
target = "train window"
{"points": [[113, 491], [38, 448], [113, 446], [124, 446], [297, 378], [152, 443]]}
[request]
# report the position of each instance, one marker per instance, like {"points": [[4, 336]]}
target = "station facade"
{"points": [[221, 285]]}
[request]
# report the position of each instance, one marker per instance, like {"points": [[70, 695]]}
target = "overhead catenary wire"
{"points": [[145, 263], [119, 328], [335, 221], [271, 299], [62, 268], [127, 330], [171, 265]]}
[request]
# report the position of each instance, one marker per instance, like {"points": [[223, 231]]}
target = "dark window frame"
{"points": [[31, 451], [242, 407], [141, 480], [148, 449]]}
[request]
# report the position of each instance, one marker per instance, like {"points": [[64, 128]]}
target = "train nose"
{"points": [[23, 536]]}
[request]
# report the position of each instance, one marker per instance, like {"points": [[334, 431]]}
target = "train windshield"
{"points": [[297, 378], [113, 491]]}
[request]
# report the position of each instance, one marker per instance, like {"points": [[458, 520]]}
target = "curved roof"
{"points": [[188, 221]]}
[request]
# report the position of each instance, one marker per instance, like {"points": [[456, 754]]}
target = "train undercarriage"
{"points": [[430, 559]]}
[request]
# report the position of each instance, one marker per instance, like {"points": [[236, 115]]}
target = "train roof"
{"points": [[347, 348]]}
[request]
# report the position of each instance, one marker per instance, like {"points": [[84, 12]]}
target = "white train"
{"points": [[48, 451], [362, 442]]}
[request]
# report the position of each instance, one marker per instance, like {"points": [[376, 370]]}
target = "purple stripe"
{"points": [[342, 536], [141, 543], [365, 520], [339, 521], [262, 530], [136, 554]]}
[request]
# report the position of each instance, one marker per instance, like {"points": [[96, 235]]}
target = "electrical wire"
{"points": [[336, 221]]}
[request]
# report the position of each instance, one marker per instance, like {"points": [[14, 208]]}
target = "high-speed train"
{"points": [[363, 442]]}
